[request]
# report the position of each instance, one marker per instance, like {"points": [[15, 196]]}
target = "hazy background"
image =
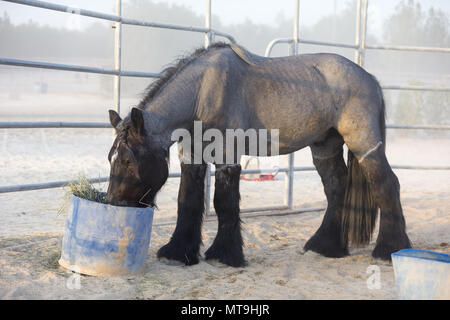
{"points": [[43, 155], [43, 35]]}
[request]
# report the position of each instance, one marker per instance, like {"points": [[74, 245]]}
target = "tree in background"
{"points": [[150, 49], [411, 25], [34, 41]]}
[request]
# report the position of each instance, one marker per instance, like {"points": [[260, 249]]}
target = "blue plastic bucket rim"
{"points": [[422, 254], [111, 205]]}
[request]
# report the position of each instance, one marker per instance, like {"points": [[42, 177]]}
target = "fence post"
{"points": [[117, 55], [296, 27], [208, 41], [289, 182], [357, 58], [293, 50], [208, 36], [363, 33]]}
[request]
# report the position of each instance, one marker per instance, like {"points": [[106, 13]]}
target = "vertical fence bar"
{"points": [[293, 50], [117, 56], [357, 58], [363, 32], [296, 26], [208, 190], [208, 41], [289, 184], [208, 36]]}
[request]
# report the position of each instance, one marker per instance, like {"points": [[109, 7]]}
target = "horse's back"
{"points": [[302, 96], [294, 95]]}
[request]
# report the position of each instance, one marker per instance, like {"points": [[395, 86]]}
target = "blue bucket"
{"points": [[422, 274], [101, 239]]}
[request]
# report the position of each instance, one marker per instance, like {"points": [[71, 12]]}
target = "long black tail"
{"points": [[360, 212]]}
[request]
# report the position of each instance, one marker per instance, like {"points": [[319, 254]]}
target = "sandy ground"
{"points": [[278, 268], [31, 229]]}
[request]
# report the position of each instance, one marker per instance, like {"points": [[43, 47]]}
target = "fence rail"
{"points": [[68, 67], [59, 184], [117, 18], [415, 88], [57, 124], [106, 125], [407, 48], [359, 46]]}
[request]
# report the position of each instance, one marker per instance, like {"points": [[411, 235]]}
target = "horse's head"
{"points": [[138, 165]]}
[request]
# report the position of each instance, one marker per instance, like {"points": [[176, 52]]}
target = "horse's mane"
{"points": [[172, 69]]}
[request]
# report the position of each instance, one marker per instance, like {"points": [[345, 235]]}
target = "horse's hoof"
{"points": [[178, 253], [386, 246], [325, 246], [384, 251], [229, 257]]}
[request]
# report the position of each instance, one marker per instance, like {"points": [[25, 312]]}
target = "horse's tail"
{"points": [[360, 212]]}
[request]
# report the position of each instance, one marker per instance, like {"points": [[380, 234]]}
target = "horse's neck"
{"points": [[173, 107]]}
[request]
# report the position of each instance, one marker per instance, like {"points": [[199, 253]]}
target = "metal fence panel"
{"points": [[359, 46]]}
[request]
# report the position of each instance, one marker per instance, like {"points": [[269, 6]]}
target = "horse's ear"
{"points": [[114, 118], [137, 119]]}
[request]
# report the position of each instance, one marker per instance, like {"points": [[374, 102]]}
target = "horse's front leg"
{"points": [[227, 246], [185, 243], [329, 162]]}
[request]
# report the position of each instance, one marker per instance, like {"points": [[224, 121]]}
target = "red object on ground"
{"points": [[262, 177]]}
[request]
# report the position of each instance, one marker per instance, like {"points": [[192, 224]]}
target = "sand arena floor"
{"points": [[31, 229]]}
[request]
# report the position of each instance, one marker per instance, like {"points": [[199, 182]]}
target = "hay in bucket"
{"points": [[82, 188]]}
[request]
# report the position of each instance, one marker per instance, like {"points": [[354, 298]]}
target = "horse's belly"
{"points": [[296, 130]]}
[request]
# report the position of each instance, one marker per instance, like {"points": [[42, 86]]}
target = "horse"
{"points": [[318, 100]]}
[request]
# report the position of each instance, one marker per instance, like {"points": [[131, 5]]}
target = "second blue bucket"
{"points": [[101, 239], [422, 274]]}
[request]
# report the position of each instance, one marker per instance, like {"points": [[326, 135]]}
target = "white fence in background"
{"points": [[360, 46]]}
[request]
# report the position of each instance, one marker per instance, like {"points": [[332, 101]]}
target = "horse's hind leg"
{"points": [[371, 182], [227, 246], [385, 189], [329, 162], [185, 243]]}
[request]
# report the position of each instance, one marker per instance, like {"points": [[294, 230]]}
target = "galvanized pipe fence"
{"points": [[360, 46]]}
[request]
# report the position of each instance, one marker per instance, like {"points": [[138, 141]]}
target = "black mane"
{"points": [[168, 72]]}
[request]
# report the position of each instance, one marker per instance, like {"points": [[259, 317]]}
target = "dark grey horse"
{"points": [[316, 100]]}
